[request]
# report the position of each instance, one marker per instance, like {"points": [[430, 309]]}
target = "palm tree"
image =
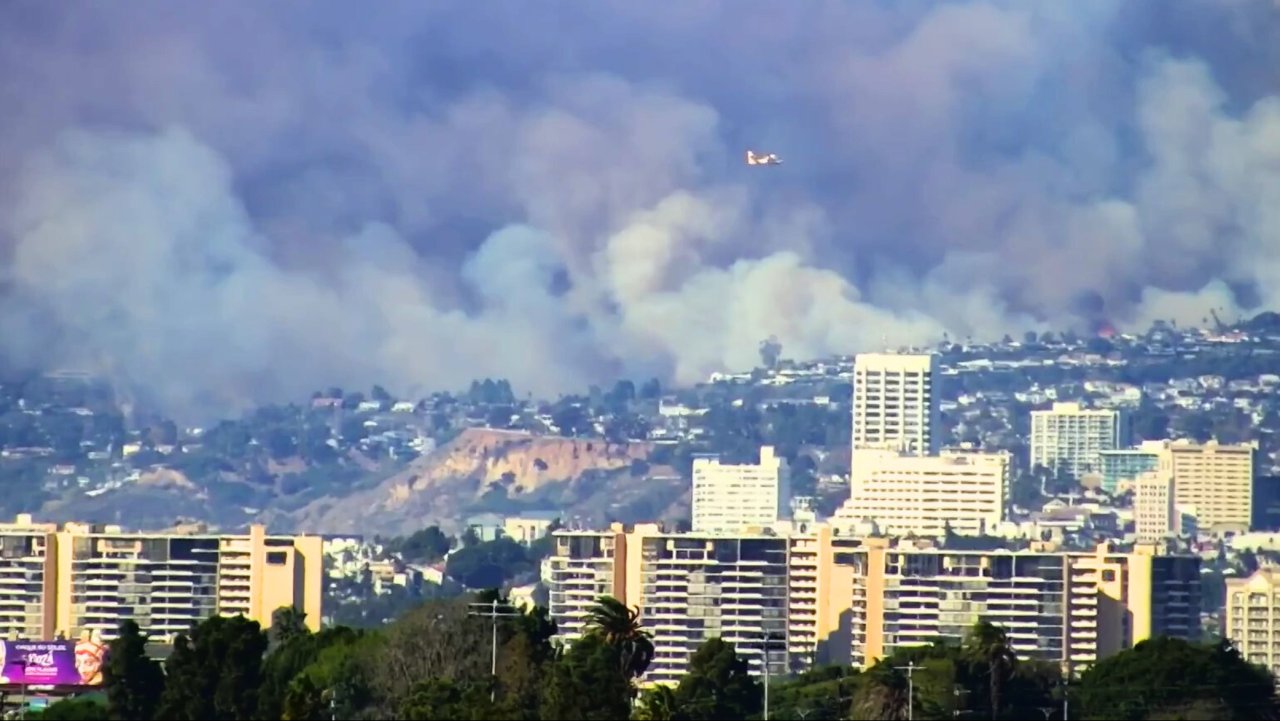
{"points": [[882, 695], [988, 646], [619, 626]]}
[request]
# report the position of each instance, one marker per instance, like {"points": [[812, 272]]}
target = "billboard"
{"points": [[52, 663]]}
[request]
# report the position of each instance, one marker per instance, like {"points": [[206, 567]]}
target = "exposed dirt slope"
{"points": [[435, 488]]}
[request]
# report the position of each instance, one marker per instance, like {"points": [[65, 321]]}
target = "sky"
{"points": [[219, 204]]}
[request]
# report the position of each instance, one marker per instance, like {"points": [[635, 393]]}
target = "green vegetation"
{"points": [[434, 663]]}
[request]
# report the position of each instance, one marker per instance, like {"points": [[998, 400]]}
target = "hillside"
{"points": [[483, 469]]}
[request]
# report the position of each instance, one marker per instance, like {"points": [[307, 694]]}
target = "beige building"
{"points": [[1252, 621], [895, 402], [93, 577], [1066, 608], [774, 591], [1071, 438], [28, 575], [824, 598], [1215, 478], [925, 495], [727, 498]]}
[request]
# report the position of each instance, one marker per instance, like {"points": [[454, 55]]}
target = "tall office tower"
{"points": [[1252, 621], [1071, 438], [776, 592], [728, 498], [89, 578], [926, 495], [1070, 609], [27, 579], [895, 402]]}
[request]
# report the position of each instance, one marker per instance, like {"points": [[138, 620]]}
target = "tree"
{"points": [[216, 672], [1173, 676], [353, 429], [651, 389], [489, 564], [133, 681], [436, 640], [882, 695], [380, 394], [988, 647], [426, 546], [586, 683], [718, 685], [770, 351], [657, 704], [620, 629], [442, 699], [571, 420], [76, 709], [287, 623]]}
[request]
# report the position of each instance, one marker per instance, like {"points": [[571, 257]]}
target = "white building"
{"points": [[728, 498], [895, 402], [1071, 438], [925, 495], [1155, 516]]}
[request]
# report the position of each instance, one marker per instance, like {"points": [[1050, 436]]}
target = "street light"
{"points": [[493, 611]]}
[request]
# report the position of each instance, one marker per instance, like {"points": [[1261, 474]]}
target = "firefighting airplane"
{"points": [[762, 159]]}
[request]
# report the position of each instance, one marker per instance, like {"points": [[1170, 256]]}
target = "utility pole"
{"points": [[910, 668], [1064, 683], [493, 611]]}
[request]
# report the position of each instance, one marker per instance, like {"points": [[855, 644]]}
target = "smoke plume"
{"points": [[218, 204]]}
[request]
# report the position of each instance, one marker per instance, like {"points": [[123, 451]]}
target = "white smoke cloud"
{"points": [[433, 194]]}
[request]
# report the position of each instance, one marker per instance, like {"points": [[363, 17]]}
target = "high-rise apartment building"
{"points": [[90, 578], [1070, 438], [1217, 479], [1252, 622], [1066, 608], [926, 495], [27, 579], [727, 498], [811, 596], [774, 592], [1155, 516], [895, 402]]}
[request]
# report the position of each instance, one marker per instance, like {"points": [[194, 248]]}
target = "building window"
{"points": [[277, 558]]}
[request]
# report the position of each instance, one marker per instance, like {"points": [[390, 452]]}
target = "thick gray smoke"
{"points": [[219, 203]]}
